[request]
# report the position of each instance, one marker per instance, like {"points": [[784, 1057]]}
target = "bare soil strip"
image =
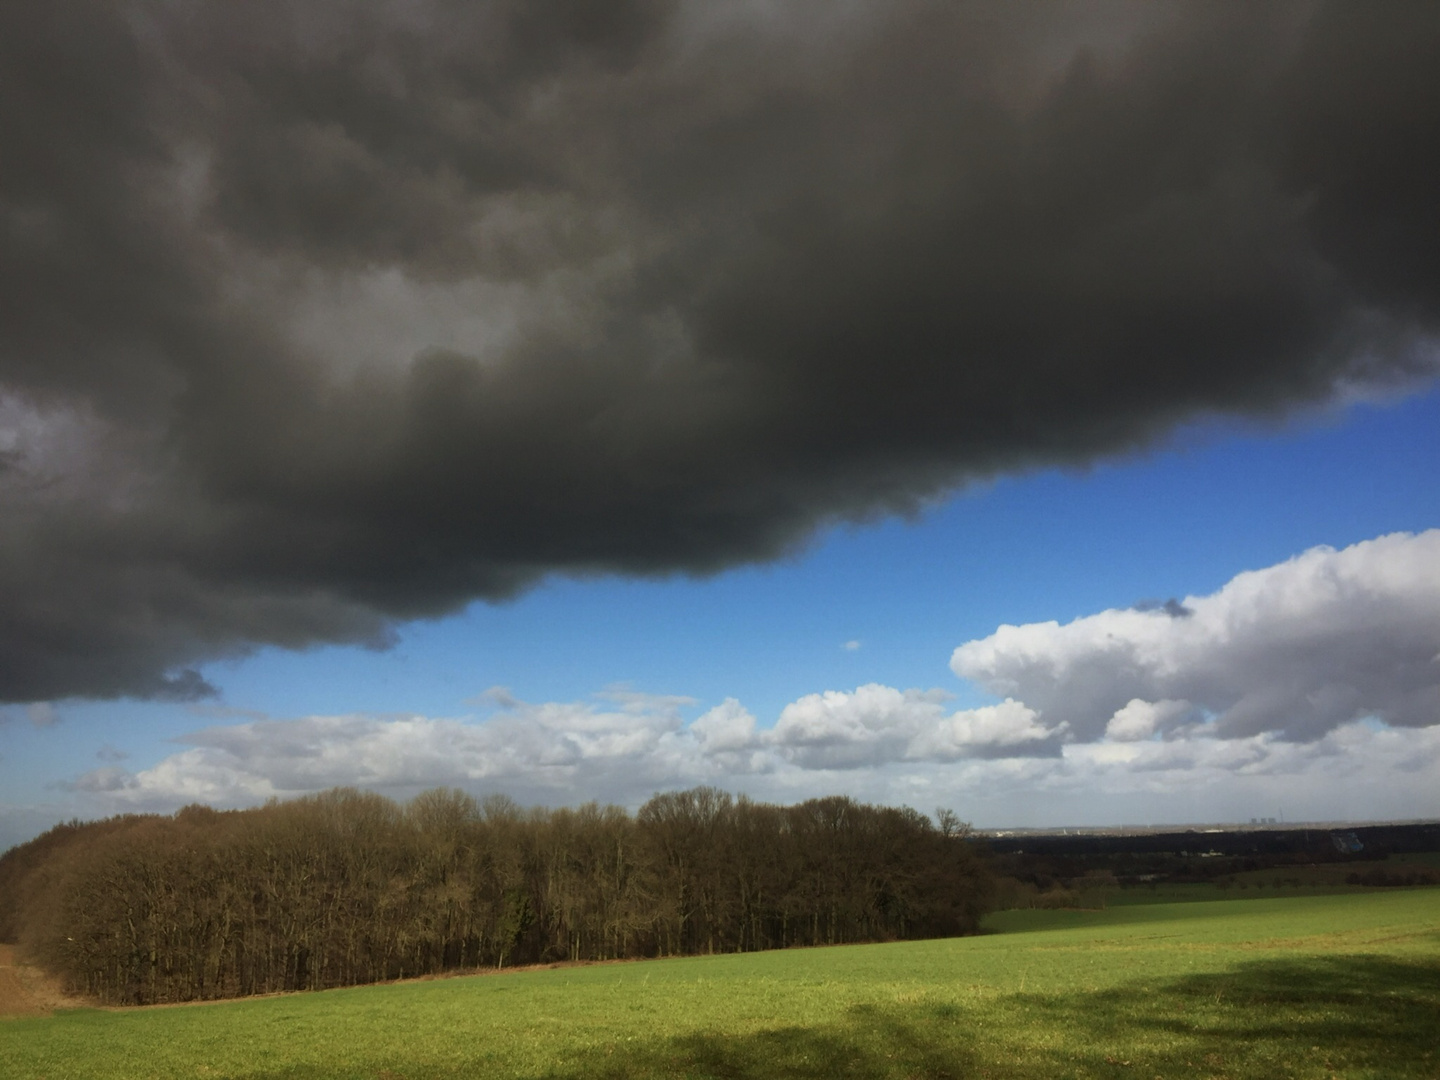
{"points": [[28, 991]]}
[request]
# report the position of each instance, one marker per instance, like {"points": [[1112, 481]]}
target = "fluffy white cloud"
{"points": [[623, 745], [727, 728], [876, 724], [1359, 770], [1301, 648], [1141, 719], [604, 745]]}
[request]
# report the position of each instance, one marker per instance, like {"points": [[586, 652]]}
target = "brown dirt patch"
{"points": [[28, 991]]}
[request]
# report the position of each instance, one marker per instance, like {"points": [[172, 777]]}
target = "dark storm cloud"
{"points": [[318, 315]]}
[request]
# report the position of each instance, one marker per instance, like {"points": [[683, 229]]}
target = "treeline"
{"points": [[350, 887]]}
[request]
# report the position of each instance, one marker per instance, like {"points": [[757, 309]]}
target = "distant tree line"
{"points": [[350, 887]]}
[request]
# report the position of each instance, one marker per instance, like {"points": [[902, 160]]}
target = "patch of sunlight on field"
{"points": [[1345, 985]]}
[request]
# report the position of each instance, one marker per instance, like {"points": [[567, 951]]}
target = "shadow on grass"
{"points": [[1315, 1017], [871, 1043]]}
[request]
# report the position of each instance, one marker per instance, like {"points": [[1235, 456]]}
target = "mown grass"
{"points": [[1304, 987]]}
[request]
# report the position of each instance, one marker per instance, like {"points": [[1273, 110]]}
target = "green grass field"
{"points": [[1308, 986]]}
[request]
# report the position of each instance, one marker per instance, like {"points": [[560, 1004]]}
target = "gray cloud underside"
{"points": [[316, 316]]}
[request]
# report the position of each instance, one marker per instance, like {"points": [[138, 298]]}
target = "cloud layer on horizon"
{"points": [[620, 744], [1357, 769], [316, 316], [1359, 626]]}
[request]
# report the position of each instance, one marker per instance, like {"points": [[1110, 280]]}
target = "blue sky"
{"points": [[1056, 544]]}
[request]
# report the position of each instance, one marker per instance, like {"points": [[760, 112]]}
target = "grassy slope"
{"points": [[1319, 986]]}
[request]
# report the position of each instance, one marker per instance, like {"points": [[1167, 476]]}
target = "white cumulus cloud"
{"points": [[876, 724], [1141, 719], [621, 745], [1300, 648]]}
